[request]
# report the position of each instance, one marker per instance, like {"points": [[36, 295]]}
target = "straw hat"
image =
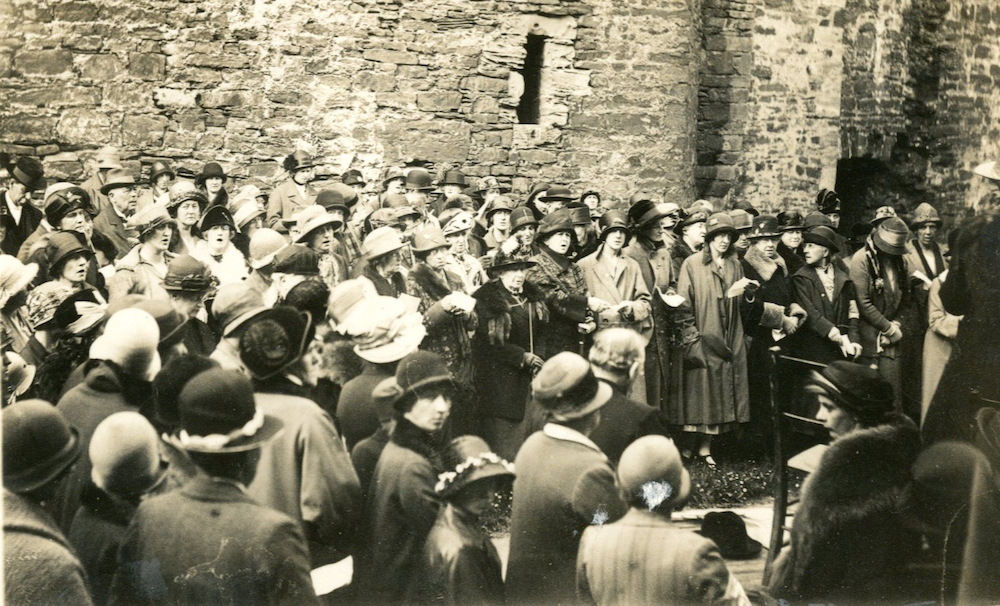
{"points": [[312, 218], [14, 277]]}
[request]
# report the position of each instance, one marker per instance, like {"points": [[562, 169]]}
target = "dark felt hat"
{"points": [[557, 194], [419, 179], [169, 382], [521, 216], [554, 223], [691, 215], [209, 171], [219, 415], [764, 226], [455, 177], [274, 340], [644, 211], [938, 499], [297, 259], [502, 262], [298, 160], [501, 204], [332, 199], [27, 171], [64, 244], [187, 274], [717, 223], [729, 532], [536, 190], [567, 388], [828, 201], [579, 214], [890, 236], [856, 388], [789, 220], [822, 235], [744, 205], [61, 201], [215, 216], [353, 177], [158, 168], [38, 445], [815, 219], [419, 372], [611, 220], [68, 313], [742, 220], [468, 459]]}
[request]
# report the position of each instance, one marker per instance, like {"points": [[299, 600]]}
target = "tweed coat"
{"points": [[306, 473], [461, 567], [878, 306], [402, 508], [210, 543], [507, 329], [715, 381], [824, 314], [564, 290], [847, 542], [644, 559], [564, 483], [93, 187], [39, 564], [284, 202], [16, 233]]}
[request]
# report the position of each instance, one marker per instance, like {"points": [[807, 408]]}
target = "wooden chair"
{"points": [[785, 423]]}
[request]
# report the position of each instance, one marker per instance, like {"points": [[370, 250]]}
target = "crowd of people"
{"points": [[210, 391]]}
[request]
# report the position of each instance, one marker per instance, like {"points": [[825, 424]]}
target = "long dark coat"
{"points": [[96, 534], [624, 421], [562, 486], [461, 566], [824, 314], [356, 412], [847, 543], [209, 543], [16, 233], [716, 393], [402, 508], [973, 290], [564, 290], [507, 329]]}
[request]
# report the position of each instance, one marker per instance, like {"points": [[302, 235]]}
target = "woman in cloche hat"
{"points": [[211, 181], [187, 202], [316, 228], [457, 227], [216, 249]]}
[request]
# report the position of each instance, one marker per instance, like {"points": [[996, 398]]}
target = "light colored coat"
{"points": [[284, 202], [616, 284], [938, 343]]}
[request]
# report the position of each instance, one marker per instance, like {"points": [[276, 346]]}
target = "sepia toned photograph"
{"points": [[500, 302]]}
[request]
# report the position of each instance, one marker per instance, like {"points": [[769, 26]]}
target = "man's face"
{"points": [[926, 233], [17, 191], [123, 199], [430, 411]]}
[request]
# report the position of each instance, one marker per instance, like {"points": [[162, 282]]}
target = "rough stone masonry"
{"points": [[766, 100]]}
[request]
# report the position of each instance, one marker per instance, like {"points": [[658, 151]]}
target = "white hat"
{"points": [[130, 339], [125, 455], [14, 277], [264, 244], [387, 332]]}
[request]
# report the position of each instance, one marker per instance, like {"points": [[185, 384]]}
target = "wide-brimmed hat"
{"points": [[881, 214], [347, 298], [235, 304], [117, 177], [264, 245], [108, 157], [822, 235], [392, 173], [745, 205], [504, 262], [386, 332], [988, 170], [427, 239], [17, 377], [717, 223], [298, 160], [184, 172], [890, 236], [579, 214], [468, 459], [459, 222], [63, 198], [764, 226], [219, 415], [537, 189], [125, 456], [38, 445], [274, 340], [419, 372], [14, 277], [209, 171], [353, 177], [150, 218], [729, 532], [393, 201], [557, 194], [554, 223], [27, 171], [789, 220], [644, 211], [454, 177], [170, 321], [611, 220], [856, 388], [381, 241], [567, 388], [158, 168], [652, 467], [501, 204], [43, 301], [187, 274], [419, 179], [64, 244], [81, 312], [923, 214], [314, 217], [520, 217], [215, 216], [130, 340], [333, 198], [742, 220], [828, 201], [297, 260], [182, 191]]}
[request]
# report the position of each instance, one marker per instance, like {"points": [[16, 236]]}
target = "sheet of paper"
{"points": [[672, 300], [327, 578], [808, 460]]}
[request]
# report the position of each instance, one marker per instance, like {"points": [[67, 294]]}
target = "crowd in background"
{"points": [[211, 390]]}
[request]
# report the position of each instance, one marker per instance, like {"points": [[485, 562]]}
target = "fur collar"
{"points": [[764, 266], [432, 283], [494, 300], [409, 436]]}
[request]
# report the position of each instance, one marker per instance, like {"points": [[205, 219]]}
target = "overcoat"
{"points": [[618, 285], [564, 291], [941, 331], [623, 421], [402, 508], [564, 483], [356, 412], [284, 202], [210, 543], [112, 227], [847, 543], [715, 385], [365, 456], [306, 473], [39, 565], [508, 327], [813, 342], [461, 567], [16, 233], [96, 534]]}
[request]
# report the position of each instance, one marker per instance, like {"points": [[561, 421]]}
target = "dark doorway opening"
{"points": [[529, 108], [863, 184]]}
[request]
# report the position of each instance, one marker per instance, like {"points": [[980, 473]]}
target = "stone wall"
{"points": [[359, 82]]}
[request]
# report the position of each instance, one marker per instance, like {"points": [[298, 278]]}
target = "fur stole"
{"points": [[493, 304], [430, 281], [764, 266], [409, 436]]}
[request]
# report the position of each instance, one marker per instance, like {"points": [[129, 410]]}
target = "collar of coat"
{"points": [[764, 266], [409, 436], [493, 299], [437, 284], [561, 432], [561, 260]]}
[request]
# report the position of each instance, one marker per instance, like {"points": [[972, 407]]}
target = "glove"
{"points": [[795, 310], [834, 335], [532, 361], [596, 304], [894, 334], [587, 327], [849, 349], [789, 324]]}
